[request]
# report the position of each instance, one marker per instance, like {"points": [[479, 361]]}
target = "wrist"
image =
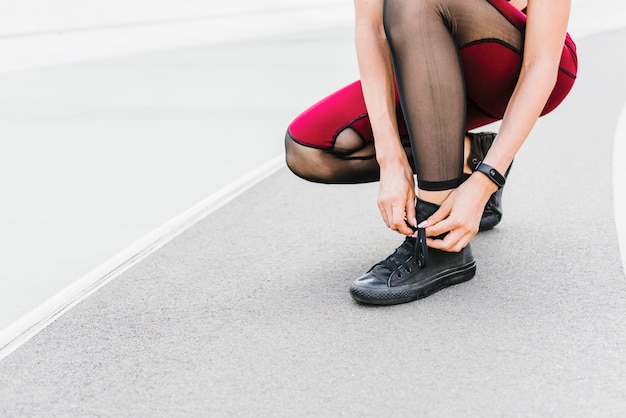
{"points": [[491, 173], [391, 159], [485, 184]]}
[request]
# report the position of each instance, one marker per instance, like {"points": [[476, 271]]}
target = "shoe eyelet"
{"points": [[408, 269]]}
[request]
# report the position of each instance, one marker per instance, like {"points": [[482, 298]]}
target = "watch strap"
{"points": [[493, 174]]}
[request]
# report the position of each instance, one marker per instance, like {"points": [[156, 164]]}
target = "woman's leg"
{"points": [[355, 164], [425, 37], [332, 141]]}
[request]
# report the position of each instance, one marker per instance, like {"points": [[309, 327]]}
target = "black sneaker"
{"points": [[413, 271]]}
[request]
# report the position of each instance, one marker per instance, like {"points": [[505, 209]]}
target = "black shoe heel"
{"points": [[480, 144]]}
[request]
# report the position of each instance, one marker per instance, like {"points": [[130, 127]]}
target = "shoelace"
{"points": [[398, 259], [421, 249]]}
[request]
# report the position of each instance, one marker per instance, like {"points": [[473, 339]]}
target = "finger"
{"points": [[447, 244], [440, 228], [453, 242], [390, 216], [399, 221], [405, 229], [410, 212], [438, 244], [384, 214]]}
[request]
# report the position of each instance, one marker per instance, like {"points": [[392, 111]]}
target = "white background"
{"points": [[36, 33]]}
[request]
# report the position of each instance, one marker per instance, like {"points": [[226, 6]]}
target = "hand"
{"points": [[396, 197], [459, 214]]}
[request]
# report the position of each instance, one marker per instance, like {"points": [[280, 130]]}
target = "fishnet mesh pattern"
{"points": [[425, 37]]}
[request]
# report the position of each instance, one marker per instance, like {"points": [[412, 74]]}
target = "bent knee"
{"points": [[301, 160]]}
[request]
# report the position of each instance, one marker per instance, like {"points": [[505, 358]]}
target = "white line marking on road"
{"points": [[18, 333]]}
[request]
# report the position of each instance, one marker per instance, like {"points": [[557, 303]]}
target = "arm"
{"points": [[396, 189], [546, 26]]}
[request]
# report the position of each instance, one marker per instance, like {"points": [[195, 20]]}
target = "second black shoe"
{"points": [[480, 144]]}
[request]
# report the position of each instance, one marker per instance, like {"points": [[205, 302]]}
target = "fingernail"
{"points": [[423, 224], [415, 222]]}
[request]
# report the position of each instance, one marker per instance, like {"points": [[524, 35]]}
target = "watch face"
{"points": [[497, 176], [492, 173]]}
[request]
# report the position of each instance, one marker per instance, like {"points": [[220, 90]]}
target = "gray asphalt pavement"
{"points": [[248, 314]]}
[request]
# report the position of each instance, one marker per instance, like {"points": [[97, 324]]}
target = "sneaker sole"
{"points": [[409, 293]]}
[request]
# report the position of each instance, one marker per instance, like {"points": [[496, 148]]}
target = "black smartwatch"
{"points": [[492, 173]]}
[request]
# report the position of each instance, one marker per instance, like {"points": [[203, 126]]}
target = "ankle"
{"points": [[467, 146], [435, 197]]}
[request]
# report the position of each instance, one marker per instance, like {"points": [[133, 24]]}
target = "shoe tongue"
{"points": [[424, 210], [405, 250]]}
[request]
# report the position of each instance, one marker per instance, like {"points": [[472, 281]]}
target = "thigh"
{"points": [[319, 125]]}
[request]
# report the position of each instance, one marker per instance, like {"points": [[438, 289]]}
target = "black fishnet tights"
{"points": [[425, 37], [351, 160]]}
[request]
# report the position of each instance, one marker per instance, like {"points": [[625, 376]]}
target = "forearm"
{"points": [[528, 100], [377, 81], [546, 26]]}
